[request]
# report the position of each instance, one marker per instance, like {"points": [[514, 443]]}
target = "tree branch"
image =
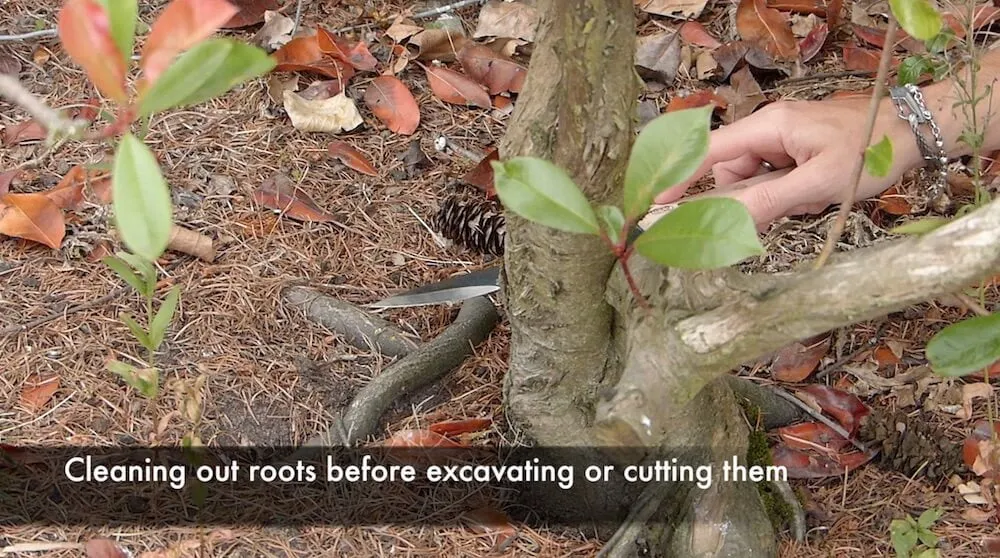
{"points": [[49, 118]]}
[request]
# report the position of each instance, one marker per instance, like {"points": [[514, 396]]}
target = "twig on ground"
{"points": [[819, 416], [49, 118], [972, 304], [826, 76], [798, 520], [425, 365], [43, 34], [360, 328], [18, 328], [419, 15], [845, 206], [298, 18]]}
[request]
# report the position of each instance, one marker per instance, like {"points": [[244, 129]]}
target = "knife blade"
{"points": [[454, 289]]}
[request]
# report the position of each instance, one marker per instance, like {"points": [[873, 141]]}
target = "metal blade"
{"points": [[455, 289]]}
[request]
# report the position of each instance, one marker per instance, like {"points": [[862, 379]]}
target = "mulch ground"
{"points": [[276, 378]]}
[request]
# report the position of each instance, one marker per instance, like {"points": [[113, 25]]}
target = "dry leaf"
{"points": [[705, 65], [971, 392], [729, 56], [686, 9], [803, 25], [457, 427], [6, 178], [323, 89], [797, 361], [32, 217], [26, 131], [816, 7], [192, 243], [9, 65], [304, 54], [356, 55], [333, 115], [492, 521], [281, 194], [41, 56], [497, 72], [813, 42], [37, 391], [351, 157], [276, 31], [393, 104], [456, 88], [695, 33], [79, 185], [894, 203], [657, 56], [697, 99], [104, 548], [276, 87], [509, 20], [481, 175], [402, 29], [420, 439], [768, 28], [401, 59], [251, 12], [439, 44]]}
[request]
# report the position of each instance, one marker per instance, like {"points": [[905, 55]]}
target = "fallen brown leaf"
{"points": [[797, 361], [6, 178], [251, 12], [393, 104], [697, 99], [695, 33], [356, 55], [509, 20], [26, 131], [32, 217], [402, 29], [453, 87], [439, 44], [749, 95], [333, 115], [281, 194], [657, 56], [767, 27], [304, 54], [687, 9], [497, 72], [37, 391], [351, 157], [813, 42]]}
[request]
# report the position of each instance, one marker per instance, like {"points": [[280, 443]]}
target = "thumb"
{"points": [[769, 197]]}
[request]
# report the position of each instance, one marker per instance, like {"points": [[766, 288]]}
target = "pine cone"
{"points": [[906, 443], [477, 224]]}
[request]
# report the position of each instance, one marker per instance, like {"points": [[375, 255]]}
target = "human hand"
{"points": [[820, 141]]}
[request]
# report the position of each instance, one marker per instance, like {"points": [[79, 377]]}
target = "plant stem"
{"points": [[851, 193]]}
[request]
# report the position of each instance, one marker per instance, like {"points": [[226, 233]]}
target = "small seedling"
{"points": [[912, 538], [141, 275]]}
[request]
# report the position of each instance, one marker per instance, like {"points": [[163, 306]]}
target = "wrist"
{"points": [[906, 153]]}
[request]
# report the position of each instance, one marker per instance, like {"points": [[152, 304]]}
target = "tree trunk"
{"points": [[572, 335]]}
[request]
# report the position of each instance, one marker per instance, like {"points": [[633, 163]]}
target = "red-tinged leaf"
{"points": [[833, 9], [876, 37], [37, 391], [797, 361], [494, 70], [817, 7], [281, 194], [453, 87], [357, 56], [103, 548], [729, 56], [813, 42], [26, 131], [393, 104], [806, 465], [481, 175], [420, 439], [894, 203], [971, 448], [841, 405], [79, 185], [456, 427], [885, 357], [861, 59], [6, 178], [32, 217], [85, 32], [351, 157], [491, 521], [991, 545], [767, 27], [89, 111], [697, 99], [985, 15], [303, 54], [814, 436], [251, 12], [181, 25], [695, 33]]}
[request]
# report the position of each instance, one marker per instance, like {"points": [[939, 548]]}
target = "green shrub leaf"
{"points": [[141, 200], [542, 192], [922, 226], [965, 347], [667, 152], [123, 15], [145, 380], [701, 234], [878, 158], [140, 334], [158, 327], [614, 221], [206, 71], [125, 272], [145, 268], [917, 17], [929, 517]]}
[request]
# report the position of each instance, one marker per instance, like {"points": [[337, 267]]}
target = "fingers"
{"points": [[767, 200]]}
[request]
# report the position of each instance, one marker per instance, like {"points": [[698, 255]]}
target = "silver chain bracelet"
{"points": [[911, 107]]}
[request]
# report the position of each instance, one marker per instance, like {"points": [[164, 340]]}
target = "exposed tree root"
{"points": [[360, 328], [425, 365]]}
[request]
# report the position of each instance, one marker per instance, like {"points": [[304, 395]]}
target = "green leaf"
{"points": [[965, 347], [904, 538], [542, 192], [928, 518], [917, 17], [208, 70], [667, 152], [702, 234], [158, 327], [140, 334], [927, 538], [125, 272], [145, 268], [922, 226], [123, 15], [145, 380], [614, 221], [928, 553], [878, 158], [141, 200], [913, 67], [939, 43]]}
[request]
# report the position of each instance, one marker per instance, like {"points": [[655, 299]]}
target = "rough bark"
{"points": [[576, 111]]}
